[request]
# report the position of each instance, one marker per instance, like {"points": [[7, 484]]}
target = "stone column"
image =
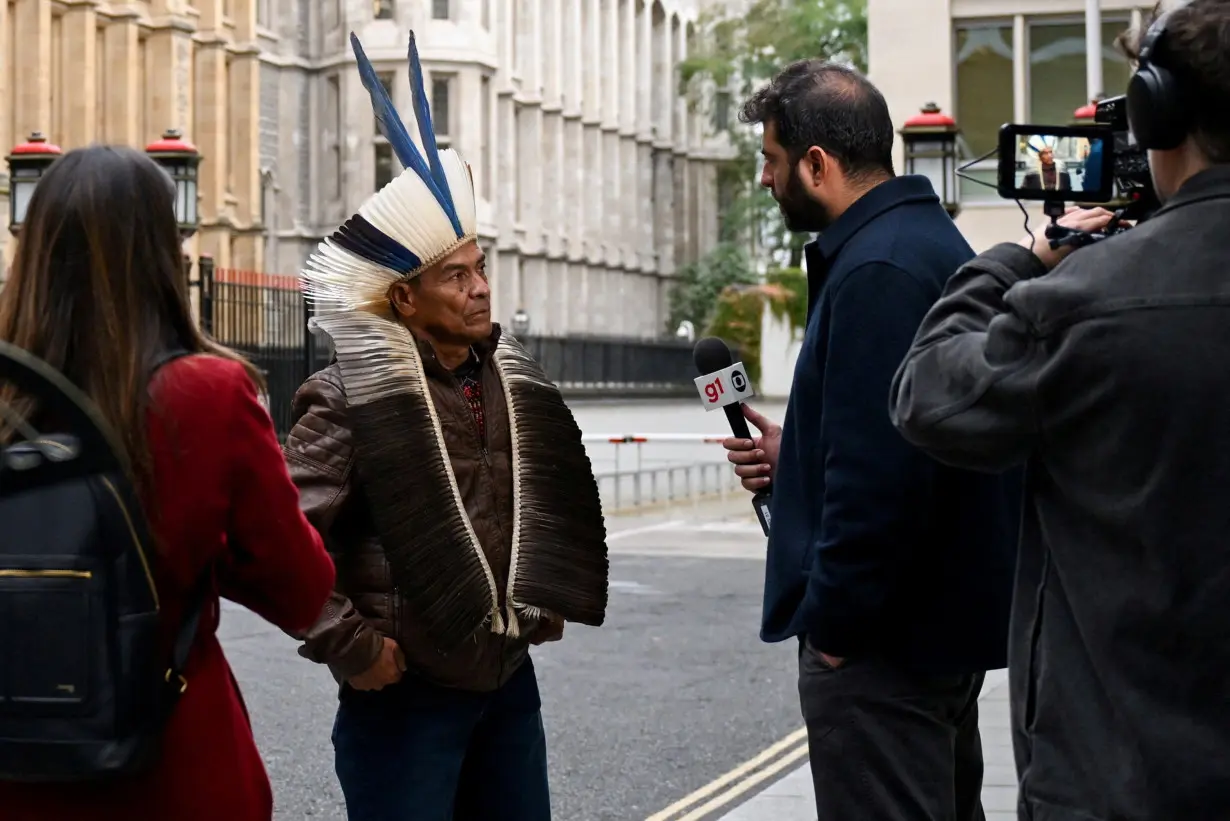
{"points": [[122, 76], [169, 76], [612, 52], [80, 40], [211, 138], [31, 23], [645, 69], [629, 67], [243, 114]]}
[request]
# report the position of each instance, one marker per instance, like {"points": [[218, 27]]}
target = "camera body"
{"points": [[1131, 161], [1099, 164]]}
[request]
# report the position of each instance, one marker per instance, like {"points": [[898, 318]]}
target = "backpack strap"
{"points": [[185, 636]]}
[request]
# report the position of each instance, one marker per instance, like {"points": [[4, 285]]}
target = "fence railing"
{"points": [[635, 478]]}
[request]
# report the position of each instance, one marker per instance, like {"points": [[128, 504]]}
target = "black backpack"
{"points": [[84, 690]]}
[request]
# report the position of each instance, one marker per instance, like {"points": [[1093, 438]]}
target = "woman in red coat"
{"points": [[97, 290]]}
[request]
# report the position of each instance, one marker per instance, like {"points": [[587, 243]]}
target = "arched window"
{"points": [[382, 9]]}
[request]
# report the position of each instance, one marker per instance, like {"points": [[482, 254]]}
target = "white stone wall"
{"points": [[595, 180]]}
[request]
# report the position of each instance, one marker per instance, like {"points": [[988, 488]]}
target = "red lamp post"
{"points": [[930, 139], [27, 164], [181, 160]]}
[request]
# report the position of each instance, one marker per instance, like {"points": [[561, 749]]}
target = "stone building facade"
{"points": [[596, 180], [84, 71]]}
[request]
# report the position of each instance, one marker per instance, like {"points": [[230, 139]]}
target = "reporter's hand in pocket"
{"points": [[388, 669]]}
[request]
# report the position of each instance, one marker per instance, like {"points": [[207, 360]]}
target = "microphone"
{"points": [[723, 384]]}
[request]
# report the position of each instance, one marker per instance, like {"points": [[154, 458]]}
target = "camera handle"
{"points": [[1061, 235]]}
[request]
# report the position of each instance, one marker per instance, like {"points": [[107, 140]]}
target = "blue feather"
{"points": [[391, 125], [363, 239], [422, 113]]}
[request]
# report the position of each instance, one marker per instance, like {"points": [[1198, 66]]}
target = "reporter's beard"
{"points": [[800, 212]]}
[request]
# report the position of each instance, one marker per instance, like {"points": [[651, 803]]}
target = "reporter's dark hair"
{"points": [[831, 106], [98, 289], [1196, 49]]}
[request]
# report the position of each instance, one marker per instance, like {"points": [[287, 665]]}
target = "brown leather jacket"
{"points": [[363, 608]]}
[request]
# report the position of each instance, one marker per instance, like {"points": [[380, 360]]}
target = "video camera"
{"points": [[1091, 165]]}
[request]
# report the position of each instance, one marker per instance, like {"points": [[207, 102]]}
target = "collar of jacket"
{"points": [[483, 348], [884, 197], [1210, 184]]}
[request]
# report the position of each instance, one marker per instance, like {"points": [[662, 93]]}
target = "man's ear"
{"points": [[401, 297], [813, 166]]}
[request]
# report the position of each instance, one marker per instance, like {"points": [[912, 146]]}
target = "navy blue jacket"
{"points": [[875, 548]]}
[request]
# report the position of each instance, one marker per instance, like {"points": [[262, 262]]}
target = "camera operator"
{"points": [[1110, 378]]}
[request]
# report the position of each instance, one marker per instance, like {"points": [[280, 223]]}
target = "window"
{"points": [[382, 9], [384, 164], [440, 114], [721, 111], [1057, 82], [333, 121], [984, 85], [439, 9], [487, 14], [386, 80]]}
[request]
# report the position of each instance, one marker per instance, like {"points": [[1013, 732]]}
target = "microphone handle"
{"points": [[738, 425]]}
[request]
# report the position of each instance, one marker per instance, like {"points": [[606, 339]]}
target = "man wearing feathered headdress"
{"points": [[450, 483]]}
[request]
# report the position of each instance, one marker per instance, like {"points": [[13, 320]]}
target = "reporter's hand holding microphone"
{"points": [[755, 459]]}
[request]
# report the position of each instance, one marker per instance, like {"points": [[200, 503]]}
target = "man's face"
{"points": [[801, 202], [450, 301], [1047, 157]]}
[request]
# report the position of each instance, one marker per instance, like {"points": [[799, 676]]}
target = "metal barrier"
{"points": [[634, 482]]}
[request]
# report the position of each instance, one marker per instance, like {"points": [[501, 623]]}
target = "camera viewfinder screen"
{"points": [[1071, 166], [1059, 163]]}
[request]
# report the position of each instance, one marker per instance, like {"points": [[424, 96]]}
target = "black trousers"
{"points": [[890, 745]]}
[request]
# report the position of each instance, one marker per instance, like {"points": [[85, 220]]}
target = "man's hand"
{"points": [[1082, 219], [388, 669], [755, 459], [550, 628]]}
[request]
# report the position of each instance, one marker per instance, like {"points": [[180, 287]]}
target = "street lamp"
{"points": [[180, 159], [27, 164], [521, 322], [930, 139], [686, 331]]}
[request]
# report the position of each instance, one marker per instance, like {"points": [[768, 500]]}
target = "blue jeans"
{"points": [[419, 752]]}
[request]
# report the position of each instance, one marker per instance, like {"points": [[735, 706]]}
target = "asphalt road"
{"points": [[673, 692]]}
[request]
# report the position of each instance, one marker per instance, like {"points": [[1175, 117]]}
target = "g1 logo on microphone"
{"points": [[725, 387]]}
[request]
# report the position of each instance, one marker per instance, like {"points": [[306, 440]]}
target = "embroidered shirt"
{"points": [[470, 377]]}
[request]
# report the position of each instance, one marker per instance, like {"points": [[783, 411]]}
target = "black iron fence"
{"points": [[265, 317]]}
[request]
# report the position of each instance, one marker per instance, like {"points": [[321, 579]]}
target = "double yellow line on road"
{"points": [[738, 781]]}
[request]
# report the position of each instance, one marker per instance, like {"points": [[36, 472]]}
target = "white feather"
{"points": [[336, 280]]}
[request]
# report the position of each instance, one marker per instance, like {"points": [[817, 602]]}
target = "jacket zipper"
{"points": [[46, 574]]}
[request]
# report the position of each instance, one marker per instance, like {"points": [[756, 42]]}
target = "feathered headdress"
{"points": [[420, 217]]}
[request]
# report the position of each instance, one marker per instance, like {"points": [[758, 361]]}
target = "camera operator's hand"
{"points": [[1089, 220]]}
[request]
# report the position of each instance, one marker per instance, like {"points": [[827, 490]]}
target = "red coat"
{"points": [[222, 495]]}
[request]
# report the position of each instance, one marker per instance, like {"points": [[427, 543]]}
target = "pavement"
{"points": [[674, 710]]}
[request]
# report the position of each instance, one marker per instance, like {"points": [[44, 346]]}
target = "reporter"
{"points": [[1110, 377], [97, 291]]}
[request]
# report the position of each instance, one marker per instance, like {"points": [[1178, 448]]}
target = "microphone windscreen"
{"points": [[711, 355]]}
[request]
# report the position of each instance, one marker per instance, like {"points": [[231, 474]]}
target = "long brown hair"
{"points": [[97, 288]]}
